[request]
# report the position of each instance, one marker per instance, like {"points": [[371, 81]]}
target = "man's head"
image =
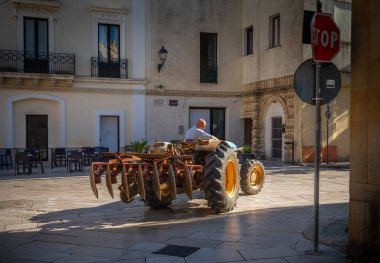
{"points": [[201, 124]]}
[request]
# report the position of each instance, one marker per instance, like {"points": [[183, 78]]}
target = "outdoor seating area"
{"points": [[26, 161]]}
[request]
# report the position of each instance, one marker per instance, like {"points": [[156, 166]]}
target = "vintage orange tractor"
{"points": [[175, 168]]}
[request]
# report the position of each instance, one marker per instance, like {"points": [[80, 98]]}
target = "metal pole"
{"points": [[317, 158], [327, 130]]}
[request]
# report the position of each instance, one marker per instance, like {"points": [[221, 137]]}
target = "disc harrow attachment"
{"points": [[168, 174]]}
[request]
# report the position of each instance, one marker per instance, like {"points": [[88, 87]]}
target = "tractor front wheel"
{"points": [[221, 182], [252, 176]]}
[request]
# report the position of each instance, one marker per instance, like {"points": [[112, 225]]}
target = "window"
{"points": [[109, 50], [208, 58], [274, 31], [248, 34], [36, 45], [214, 117]]}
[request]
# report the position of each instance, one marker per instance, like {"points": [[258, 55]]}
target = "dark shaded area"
{"points": [[176, 251]]}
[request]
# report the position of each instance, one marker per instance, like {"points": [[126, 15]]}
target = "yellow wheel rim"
{"points": [[256, 175], [231, 178]]}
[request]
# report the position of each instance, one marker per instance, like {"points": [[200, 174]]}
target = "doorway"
{"points": [[276, 137], [274, 146], [247, 131], [37, 133], [109, 132]]}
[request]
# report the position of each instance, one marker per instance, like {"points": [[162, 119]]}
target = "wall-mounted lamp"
{"points": [[163, 53]]}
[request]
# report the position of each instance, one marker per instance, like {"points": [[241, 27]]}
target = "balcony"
{"points": [[41, 62], [106, 68]]}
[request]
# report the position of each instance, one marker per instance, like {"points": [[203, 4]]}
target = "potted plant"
{"points": [[139, 146], [247, 152]]}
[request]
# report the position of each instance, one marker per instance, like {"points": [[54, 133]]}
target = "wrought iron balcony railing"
{"points": [[107, 68], [37, 62]]}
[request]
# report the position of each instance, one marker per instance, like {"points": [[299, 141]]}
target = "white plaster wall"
{"points": [[8, 27], [267, 63], [164, 120], [176, 24]]}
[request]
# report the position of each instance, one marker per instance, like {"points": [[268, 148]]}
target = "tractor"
{"points": [[169, 169]]}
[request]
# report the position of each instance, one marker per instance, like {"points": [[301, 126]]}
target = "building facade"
{"points": [[89, 73], [282, 125], [72, 73]]}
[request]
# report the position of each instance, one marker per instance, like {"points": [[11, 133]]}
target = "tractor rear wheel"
{"points": [[152, 199], [252, 176], [221, 182]]}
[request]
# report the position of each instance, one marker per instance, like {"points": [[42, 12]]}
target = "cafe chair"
{"points": [[59, 157], [22, 159], [88, 155], [75, 158], [35, 158]]}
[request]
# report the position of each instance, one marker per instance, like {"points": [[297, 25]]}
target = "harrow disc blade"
{"points": [[124, 182], [92, 182], [140, 181], [172, 183], [109, 181], [188, 184], [156, 182]]}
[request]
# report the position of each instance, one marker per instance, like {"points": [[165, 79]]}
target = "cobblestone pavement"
{"points": [[56, 218]]}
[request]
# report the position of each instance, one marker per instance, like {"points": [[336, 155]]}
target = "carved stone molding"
{"points": [[260, 85], [257, 98], [36, 6], [104, 13]]}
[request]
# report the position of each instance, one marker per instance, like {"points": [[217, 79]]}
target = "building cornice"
{"points": [[182, 93], [36, 5], [111, 80], [262, 86], [53, 82], [98, 9]]}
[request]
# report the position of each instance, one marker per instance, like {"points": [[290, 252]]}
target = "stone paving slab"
{"points": [[55, 217]]}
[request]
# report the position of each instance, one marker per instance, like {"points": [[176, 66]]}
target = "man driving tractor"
{"points": [[197, 132]]}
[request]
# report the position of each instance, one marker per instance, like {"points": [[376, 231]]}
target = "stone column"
{"points": [[364, 207]]}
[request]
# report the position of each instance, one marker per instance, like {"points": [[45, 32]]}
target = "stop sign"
{"points": [[325, 38]]}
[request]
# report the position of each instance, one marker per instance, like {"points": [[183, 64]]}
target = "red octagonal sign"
{"points": [[325, 38]]}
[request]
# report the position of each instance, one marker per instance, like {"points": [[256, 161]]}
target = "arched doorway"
{"points": [[33, 105]]}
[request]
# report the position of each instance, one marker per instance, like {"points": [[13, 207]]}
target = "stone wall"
{"points": [[257, 98], [364, 209]]}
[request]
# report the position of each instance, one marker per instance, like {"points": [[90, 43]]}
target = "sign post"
{"points": [[325, 36], [317, 81], [317, 156]]}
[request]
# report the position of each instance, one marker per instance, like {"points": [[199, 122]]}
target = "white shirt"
{"points": [[195, 133]]}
